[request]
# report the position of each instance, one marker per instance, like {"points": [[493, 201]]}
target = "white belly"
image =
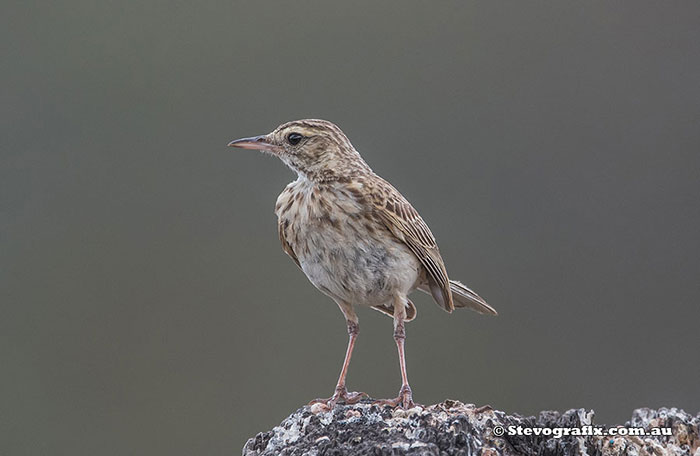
{"points": [[358, 269]]}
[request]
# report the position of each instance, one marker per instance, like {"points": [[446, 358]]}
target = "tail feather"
{"points": [[464, 297]]}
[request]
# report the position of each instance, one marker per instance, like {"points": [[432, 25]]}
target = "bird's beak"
{"points": [[255, 142]]}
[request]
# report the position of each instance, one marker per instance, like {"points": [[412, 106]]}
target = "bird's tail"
{"points": [[464, 297]]}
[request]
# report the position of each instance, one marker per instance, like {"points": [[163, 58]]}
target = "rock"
{"points": [[453, 428]]}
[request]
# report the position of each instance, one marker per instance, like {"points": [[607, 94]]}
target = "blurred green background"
{"points": [[147, 307]]}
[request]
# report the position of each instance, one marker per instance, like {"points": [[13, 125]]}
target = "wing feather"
{"points": [[406, 224], [285, 245]]}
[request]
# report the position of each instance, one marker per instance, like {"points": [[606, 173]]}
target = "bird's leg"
{"points": [[405, 397], [341, 392]]}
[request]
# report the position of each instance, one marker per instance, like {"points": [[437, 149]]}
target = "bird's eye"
{"points": [[294, 138]]}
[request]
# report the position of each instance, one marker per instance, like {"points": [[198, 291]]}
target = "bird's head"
{"points": [[315, 149]]}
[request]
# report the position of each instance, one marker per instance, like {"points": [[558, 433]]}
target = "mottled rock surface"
{"points": [[453, 428]]}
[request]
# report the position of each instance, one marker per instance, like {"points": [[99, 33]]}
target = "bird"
{"points": [[356, 238]]}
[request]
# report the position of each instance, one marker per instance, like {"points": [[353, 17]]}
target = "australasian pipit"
{"points": [[356, 238]]}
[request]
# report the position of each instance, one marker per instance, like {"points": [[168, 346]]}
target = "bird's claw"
{"points": [[483, 408], [340, 395], [404, 399]]}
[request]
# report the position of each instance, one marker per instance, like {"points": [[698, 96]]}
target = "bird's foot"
{"points": [[483, 408], [341, 395], [404, 400]]}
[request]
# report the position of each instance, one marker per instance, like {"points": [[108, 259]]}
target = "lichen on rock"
{"points": [[454, 428]]}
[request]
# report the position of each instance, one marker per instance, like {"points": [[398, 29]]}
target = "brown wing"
{"points": [[285, 245], [406, 224]]}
